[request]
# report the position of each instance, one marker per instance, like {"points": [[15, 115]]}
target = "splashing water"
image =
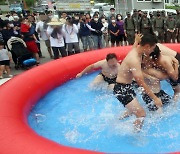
{"points": [[76, 115]]}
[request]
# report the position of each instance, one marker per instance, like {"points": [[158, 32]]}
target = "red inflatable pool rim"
{"points": [[20, 94]]}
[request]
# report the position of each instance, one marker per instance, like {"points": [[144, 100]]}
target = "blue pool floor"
{"points": [[75, 115]]}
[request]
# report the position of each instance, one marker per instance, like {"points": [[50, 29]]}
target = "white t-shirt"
{"points": [[43, 34], [55, 42], [4, 55], [70, 33]]}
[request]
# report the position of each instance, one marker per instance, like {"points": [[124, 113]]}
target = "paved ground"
{"points": [[42, 61]]}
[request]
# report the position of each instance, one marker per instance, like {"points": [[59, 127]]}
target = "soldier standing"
{"points": [[158, 27], [178, 26], [170, 28], [145, 26], [151, 17], [130, 28]]}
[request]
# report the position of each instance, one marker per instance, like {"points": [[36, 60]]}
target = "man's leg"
{"points": [[83, 39], [48, 45], [176, 93], [95, 41], [76, 47], [56, 52], [90, 42], [98, 80], [63, 51], [70, 48], [135, 108]]}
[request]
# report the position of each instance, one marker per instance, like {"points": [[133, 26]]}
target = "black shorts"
{"points": [[135, 85], [124, 93], [175, 83], [108, 80], [165, 98], [5, 62]]}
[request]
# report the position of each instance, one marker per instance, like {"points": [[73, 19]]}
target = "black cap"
{"points": [[112, 8], [150, 13], [135, 10], [170, 14], [145, 12], [128, 13]]}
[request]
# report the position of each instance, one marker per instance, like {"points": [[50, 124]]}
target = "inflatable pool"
{"points": [[18, 96]]}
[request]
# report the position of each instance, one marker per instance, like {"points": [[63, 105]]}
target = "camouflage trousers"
{"points": [[130, 36], [170, 36], [178, 35], [160, 35]]}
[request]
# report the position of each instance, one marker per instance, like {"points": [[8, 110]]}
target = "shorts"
{"points": [[108, 80], [5, 62], [124, 93], [165, 98], [175, 83], [32, 46], [47, 42], [135, 85]]}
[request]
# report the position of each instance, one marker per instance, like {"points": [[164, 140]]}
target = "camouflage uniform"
{"points": [[130, 28], [178, 27], [158, 28], [170, 29], [145, 25]]}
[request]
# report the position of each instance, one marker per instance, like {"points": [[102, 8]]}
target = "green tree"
{"points": [[106, 1], [30, 3]]}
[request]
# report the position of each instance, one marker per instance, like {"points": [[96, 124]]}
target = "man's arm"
{"points": [[137, 40], [138, 76], [171, 71], [155, 73], [89, 68]]}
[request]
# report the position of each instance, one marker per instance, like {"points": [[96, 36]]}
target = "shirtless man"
{"points": [[155, 67], [131, 68], [175, 84], [109, 70], [166, 60]]}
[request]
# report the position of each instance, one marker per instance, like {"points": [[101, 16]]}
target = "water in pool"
{"points": [[75, 115]]}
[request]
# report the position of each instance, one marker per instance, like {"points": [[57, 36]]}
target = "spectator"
{"points": [[130, 28], [145, 26], [28, 37], [120, 23], [111, 14], [4, 61], [105, 32], [70, 32], [63, 17], [54, 31], [170, 29], [85, 34], [41, 28], [178, 25], [97, 26], [114, 32], [31, 19]]}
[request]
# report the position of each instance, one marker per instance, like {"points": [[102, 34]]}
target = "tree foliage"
{"points": [[106, 1]]}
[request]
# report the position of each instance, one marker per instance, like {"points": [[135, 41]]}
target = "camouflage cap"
{"points": [[128, 13]]}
